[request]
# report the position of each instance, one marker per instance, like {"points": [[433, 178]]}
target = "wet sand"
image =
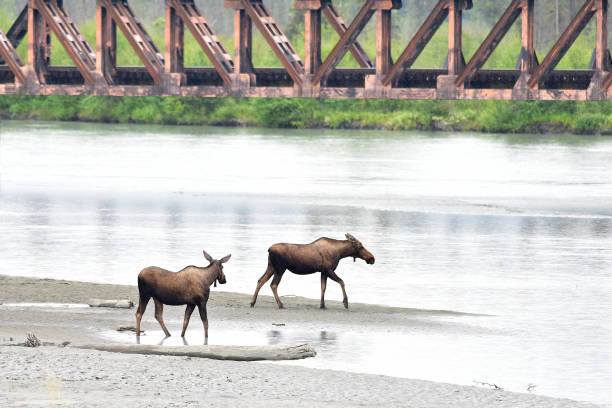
{"points": [[73, 377]]}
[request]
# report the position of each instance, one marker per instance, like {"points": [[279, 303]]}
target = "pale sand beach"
{"points": [[67, 376]]}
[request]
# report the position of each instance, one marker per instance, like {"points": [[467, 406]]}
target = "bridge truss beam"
{"points": [[558, 51], [12, 59], [53, 15], [317, 75], [255, 11], [120, 14], [184, 12], [312, 22]]}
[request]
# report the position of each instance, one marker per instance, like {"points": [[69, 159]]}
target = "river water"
{"points": [[518, 227]]}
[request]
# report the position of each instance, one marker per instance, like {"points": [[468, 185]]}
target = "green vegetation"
{"points": [[481, 116]]}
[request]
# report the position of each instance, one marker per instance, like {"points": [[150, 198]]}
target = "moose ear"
{"points": [[208, 257], [225, 258], [350, 237]]}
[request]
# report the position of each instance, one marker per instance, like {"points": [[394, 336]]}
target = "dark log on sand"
{"points": [[236, 353], [116, 304], [128, 329]]}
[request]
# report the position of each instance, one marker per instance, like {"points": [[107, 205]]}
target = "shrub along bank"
{"points": [[481, 116]]}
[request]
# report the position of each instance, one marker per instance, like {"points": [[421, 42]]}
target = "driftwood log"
{"points": [[236, 353], [128, 329], [117, 304]]}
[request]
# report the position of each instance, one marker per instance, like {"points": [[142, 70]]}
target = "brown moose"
{"points": [[321, 255], [190, 286]]}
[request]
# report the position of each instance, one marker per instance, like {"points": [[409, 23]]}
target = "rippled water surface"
{"points": [[518, 227]]}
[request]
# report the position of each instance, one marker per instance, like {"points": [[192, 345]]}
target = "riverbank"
{"points": [[475, 116], [232, 308], [43, 375]]}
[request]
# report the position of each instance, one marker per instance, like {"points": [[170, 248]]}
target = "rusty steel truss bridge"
{"points": [[95, 71]]}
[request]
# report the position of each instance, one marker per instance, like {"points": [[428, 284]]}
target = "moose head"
{"points": [[359, 250], [219, 265]]}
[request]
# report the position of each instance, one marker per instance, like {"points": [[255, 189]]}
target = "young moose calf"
{"points": [[190, 286], [321, 255]]}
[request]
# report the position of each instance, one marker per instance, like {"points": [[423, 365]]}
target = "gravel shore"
{"points": [[67, 376]]}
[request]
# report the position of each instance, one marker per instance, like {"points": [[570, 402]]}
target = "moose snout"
{"points": [[370, 261]]}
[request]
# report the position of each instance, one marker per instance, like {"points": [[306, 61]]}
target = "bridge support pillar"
{"points": [[446, 87], [308, 88], [312, 33], [312, 43], [172, 82], [39, 48], [244, 74], [374, 87], [174, 76], [596, 90], [528, 59], [106, 49]]}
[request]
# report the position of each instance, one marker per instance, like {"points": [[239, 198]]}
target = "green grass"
{"points": [[481, 116]]}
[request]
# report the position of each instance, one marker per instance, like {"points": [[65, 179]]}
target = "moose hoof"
{"points": [[252, 304], [345, 304], [323, 307], [281, 306]]}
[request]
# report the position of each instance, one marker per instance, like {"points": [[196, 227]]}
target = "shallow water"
{"points": [[43, 305], [519, 227]]}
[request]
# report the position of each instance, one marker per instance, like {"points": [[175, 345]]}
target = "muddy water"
{"points": [[518, 227]]}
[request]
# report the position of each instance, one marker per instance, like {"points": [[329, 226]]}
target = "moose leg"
{"points": [[159, 311], [323, 286], [188, 312], [262, 281], [274, 286], [336, 278], [142, 306], [204, 317]]}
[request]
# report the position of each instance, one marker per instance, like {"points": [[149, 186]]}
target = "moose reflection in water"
{"points": [[190, 286], [322, 255]]}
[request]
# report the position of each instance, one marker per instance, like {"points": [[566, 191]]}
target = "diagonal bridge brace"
{"points": [[11, 58], [123, 16], [202, 31], [69, 36], [346, 41], [607, 82], [275, 38], [419, 41], [315, 9], [18, 30], [338, 24], [564, 43], [485, 50]]}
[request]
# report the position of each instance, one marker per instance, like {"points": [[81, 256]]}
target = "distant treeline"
{"points": [[481, 116]]}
